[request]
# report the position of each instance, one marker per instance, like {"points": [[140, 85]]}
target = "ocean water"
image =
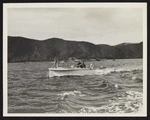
{"points": [[119, 89]]}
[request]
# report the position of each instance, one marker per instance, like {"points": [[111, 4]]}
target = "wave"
{"points": [[106, 86], [65, 94], [109, 86], [129, 102], [115, 70], [137, 79], [124, 102]]}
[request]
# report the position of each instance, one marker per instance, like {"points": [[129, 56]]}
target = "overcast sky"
{"points": [[97, 25]]}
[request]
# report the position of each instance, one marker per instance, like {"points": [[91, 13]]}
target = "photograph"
{"points": [[75, 59]]}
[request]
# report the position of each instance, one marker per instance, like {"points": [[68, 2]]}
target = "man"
{"points": [[78, 65], [91, 66], [55, 65], [81, 65]]}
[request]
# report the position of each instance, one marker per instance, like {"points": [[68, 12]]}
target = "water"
{"points": [[118, 90]]}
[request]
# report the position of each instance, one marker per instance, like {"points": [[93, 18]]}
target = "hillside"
{"points": [[23, 49]]}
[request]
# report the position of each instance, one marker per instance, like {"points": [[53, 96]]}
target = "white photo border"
{"points": [[6, 6]]}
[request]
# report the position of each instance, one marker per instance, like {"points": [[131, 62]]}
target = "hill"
{"points": [[22, 49]]}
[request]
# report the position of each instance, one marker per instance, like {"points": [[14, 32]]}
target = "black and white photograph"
{"points": [[75, 59]]}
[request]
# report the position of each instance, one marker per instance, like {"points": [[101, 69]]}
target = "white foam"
{"points": [[110, 70], [75, 92], [129, 102]]}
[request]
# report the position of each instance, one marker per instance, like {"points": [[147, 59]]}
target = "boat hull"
{"points": [[71, 72]]}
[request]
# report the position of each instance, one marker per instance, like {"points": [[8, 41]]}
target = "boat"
{"points": [[60, 71]]}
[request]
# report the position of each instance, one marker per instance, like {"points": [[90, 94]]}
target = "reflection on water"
{"points": [[118, 91]]}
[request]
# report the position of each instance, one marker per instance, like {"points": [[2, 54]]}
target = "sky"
{"points": [[96, 25]]}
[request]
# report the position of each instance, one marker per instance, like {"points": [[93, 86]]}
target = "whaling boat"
{"points": [[72, 71]]}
